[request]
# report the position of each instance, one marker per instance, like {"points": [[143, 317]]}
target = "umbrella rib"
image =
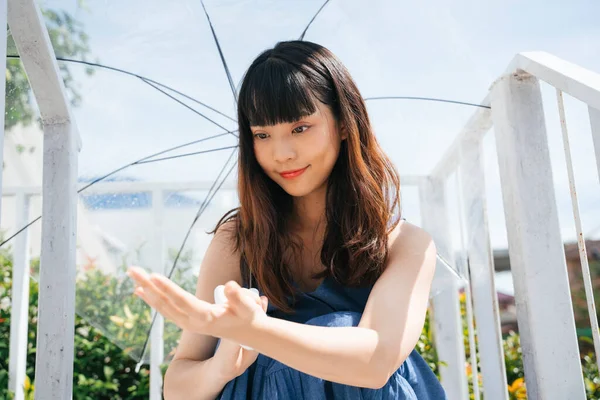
{"points": [[427, 99], [311, 21], [223, 61], [185, 105], [122, 71], [188, 154], [118, 170], [144, 159]]}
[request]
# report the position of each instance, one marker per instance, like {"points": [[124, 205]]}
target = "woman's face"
{"points": [[299, 156]]}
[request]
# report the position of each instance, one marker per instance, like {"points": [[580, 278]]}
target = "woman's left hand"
{"points": [[194, 315]]}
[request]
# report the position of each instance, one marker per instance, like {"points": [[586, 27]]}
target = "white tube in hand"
{"points": [[220, 298]]}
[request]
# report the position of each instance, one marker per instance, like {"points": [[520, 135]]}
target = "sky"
{"points": [[449, 50]]}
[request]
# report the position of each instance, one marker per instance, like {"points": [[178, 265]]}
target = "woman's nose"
{"points": [[284, 151]]}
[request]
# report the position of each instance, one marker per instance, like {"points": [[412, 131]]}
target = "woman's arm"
{"points": [[361, 356], [392, 321], [194, 373], [193, 379]]}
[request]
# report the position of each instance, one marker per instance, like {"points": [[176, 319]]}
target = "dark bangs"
{"points": [[275, 91]]}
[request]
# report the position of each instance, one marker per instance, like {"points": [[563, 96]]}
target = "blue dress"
{"points": [[331, 304]]}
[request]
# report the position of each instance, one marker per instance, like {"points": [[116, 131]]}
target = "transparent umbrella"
{"points": [[156, 112]]}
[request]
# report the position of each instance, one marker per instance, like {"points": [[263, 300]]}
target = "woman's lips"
{"points": [[292, 174]]}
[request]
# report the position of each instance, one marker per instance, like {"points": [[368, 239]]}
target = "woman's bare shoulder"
{"points": [[222, 258], [406, 232]]}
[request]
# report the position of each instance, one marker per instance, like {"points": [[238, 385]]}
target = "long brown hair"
{"points": [[363, 204]]}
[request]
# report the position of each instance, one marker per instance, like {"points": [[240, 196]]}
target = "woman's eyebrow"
{"points": [[305, 119]]}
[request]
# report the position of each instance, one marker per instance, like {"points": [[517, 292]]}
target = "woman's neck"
{"points": [[309, 210]]}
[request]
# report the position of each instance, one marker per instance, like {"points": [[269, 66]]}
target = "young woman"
{"points": [[319, 234]]}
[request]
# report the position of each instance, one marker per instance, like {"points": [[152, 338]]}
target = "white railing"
{"points": [[542, 294], [536, 251], [544, 309]]}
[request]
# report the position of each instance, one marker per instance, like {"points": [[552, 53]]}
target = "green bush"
{"points": [[101, 369], [107, 301]]}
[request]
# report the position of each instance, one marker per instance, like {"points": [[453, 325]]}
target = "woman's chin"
{"points": [[300, 187], [295, 189], [296, 192]]}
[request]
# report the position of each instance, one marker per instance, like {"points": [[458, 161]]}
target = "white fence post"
{"points": [[20, 301], [481, 271], [542, 295], [3, 8], [448, 330], [56, 308], [595, 124], [157, 346]]}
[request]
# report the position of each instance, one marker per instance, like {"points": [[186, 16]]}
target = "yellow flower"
{"points": [[518, 389], [128, 312]]}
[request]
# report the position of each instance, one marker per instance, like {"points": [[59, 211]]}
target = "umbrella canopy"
{"points": [[153, 85]]}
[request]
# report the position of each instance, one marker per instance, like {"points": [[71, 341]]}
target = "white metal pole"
{"points": [[20, 301], [481, 271], [3, 9], [585, 267], [595, 124], [537, 258], [464, 271], [157, 346], [448, 331]]}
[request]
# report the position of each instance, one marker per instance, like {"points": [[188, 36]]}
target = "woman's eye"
{"points": [[300, 129], [260, 136]]}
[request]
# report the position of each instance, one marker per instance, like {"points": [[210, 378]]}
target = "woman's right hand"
{"points": [[231, 359]]}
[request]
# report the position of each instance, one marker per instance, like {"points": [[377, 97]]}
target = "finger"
{"points": [[264, 303], [179, 296], [160, 295], [157, 298], [157, 306], [154, 300], [137, 274], [142, 279], [190, 305], [252, 292], [236, 296]]}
